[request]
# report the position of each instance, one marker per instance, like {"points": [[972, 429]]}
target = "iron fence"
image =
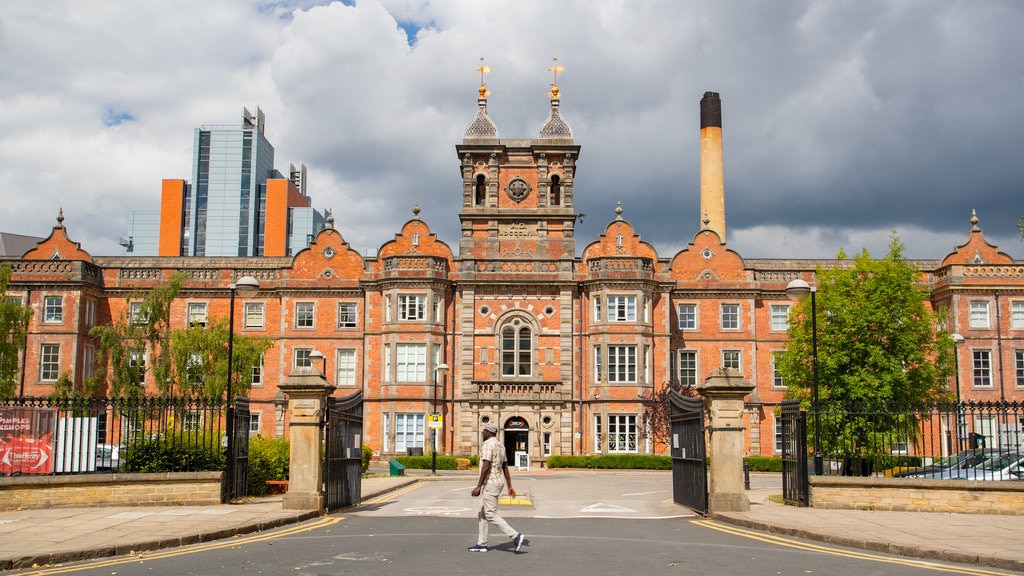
{"points": [[956, 440], [86, 435]]}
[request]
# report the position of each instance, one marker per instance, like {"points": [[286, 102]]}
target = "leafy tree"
{"points": [[14, 320], [878, 343], [124, 344], [199, 356], [657, 413]]}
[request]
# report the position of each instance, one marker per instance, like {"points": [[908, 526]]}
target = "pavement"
{"points": [[33, 538]]}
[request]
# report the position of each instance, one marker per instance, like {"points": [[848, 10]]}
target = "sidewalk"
{"points": [[37, 537]]}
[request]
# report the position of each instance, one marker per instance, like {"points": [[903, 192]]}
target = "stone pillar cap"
{"points": [[725, 381]]}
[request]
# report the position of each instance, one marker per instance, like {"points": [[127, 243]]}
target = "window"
{"points": [[598, 365], [254, 424], [778, 435], [49, 362], [516, 349], [257, 373], [622, 363], [731, 359], [346, 368], [347, 312], [777, 381], [982, 368], [197, 314], [90, 313], [622, 308], [408, 431], [305, 315], [780, 318], [135, 315], [412, 307], [254, 314], [621, 433], [1018, 362], [597, 433], [411, 363], [192, 420], [687, 368], [1017, 314], [687, 316], [302, 359], [387, 363], [979, 314], [194, 373], [438, 309], [730, 316], [53, 309], [137, 365], [597, 309], [88, 361]]}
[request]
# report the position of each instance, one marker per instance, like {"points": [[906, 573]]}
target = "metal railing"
{"points": [[943, 440], [85, 435]]}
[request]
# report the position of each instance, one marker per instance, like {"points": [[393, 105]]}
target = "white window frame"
{"points": [[597, 308], [777, 380], [438, 309], [979, 315], [257, 373], [411, 362], [348, 314], [305, 313], [622, 363], [255, 314], [301, 359], [598, 365], [684, 312], [255, 423], [409, 431], [346, 367], [49, 362], [729, 315], [1017, 314], [1018, 367], [53, 309], [412, 307], [621, 308], [684, 368], [981, 368], [196, 314], [137, 359], [515, 360], [779, 317], [135, 313], [622, 434], [597, 433], [90, 312], [732, 359]]}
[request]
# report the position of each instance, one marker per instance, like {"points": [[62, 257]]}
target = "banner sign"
{"points": [[26, 440]]}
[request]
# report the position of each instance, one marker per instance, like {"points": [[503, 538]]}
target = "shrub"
{"points": [[268, 460], [367, 456], [176, 452], [443, 462], [764, 463], [612, 462]]}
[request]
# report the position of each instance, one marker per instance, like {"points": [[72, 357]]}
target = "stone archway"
{"points": [[516, 438]]}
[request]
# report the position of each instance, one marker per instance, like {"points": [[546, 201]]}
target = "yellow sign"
{"points": [[435, 421]]}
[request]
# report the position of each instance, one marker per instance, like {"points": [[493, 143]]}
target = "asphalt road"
{"points": [[574, 525]]}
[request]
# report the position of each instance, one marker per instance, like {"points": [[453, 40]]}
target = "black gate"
{"points": [[689, 462], [795, 486], [343, 455], [238, 469]]}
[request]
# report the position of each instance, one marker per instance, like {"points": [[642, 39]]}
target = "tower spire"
{"points": [[481, 126]]}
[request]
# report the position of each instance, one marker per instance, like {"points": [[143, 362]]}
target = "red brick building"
{"points": [[553, 347]]}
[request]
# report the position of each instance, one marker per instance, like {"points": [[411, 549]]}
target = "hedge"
{"points": [[443, 462], [648, 462]]}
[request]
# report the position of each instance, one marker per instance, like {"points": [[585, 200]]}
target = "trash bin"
{"points": [[397, 468]]}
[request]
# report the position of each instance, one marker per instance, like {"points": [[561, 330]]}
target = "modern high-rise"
{"points": [[237, 203]]}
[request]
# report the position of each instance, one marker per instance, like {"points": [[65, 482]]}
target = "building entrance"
{"points": [[517, 438]]}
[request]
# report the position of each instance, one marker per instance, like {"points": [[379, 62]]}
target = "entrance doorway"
{"points": [[517, 438]]}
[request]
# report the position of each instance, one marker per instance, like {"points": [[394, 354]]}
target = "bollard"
{"points": [[746, 476]]}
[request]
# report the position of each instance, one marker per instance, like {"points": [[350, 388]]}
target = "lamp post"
{"points": [[318, 355], [961, 426], [246, 286], [797, 290], [439, 370]]}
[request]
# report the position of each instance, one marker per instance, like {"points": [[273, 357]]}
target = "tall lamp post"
{"points": [[246, 286], [797, 290], [961, 426], [439, 371]]}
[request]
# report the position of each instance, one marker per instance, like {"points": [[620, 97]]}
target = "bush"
{"points": [[443, 462], [612, 462], [268, 460], [764, 463], [367, 456], [176, 452]]}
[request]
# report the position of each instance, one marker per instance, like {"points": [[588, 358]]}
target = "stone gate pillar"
{"points": [[307, 392], [723, 391]]}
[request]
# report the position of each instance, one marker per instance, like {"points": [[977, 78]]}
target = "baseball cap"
{"points": [[490, 427]]}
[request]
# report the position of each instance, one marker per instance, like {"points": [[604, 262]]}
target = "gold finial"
{"points": [[555, 69], [483, 69]]}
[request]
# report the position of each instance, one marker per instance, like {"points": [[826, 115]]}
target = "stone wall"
{"points": [[913, 495], [165, 489]]}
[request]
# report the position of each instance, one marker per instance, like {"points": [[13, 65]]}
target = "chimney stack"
{"points": [[712, 177]]}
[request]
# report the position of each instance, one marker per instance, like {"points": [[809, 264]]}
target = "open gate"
{"points": [[236, 484], [795, 484], [689, 452], [343, 453]]}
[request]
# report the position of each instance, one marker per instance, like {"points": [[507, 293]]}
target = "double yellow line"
{"points": [[823, 549]]}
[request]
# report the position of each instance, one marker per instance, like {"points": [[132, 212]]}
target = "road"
{"points": [[583, 524]]}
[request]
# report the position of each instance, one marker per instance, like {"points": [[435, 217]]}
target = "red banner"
{"points": [[26, 440]]}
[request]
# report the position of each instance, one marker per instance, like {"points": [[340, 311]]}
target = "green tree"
{"points": [[138, 342], [878, 341], [14, 320], [199, 356]]}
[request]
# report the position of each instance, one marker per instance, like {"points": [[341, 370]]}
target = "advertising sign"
{"points": [[26, 440]]}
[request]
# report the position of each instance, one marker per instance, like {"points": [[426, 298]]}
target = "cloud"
{"points": [[842, 121]]}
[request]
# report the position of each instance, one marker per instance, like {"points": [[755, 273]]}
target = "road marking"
{"points": [[645, 493], [811, 547], [435, 511], [609, 508]]}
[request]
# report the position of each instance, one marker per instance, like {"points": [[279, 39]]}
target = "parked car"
{"points": [[950, 466], [1005, 466], [108, 456]]}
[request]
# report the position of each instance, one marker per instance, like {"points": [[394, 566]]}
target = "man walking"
{"points": [[493, 479]]}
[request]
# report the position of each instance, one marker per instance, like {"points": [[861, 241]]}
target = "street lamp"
{"points": [[245, 286], [318, 355], [961, 426], [797, 290], [439, 370]]}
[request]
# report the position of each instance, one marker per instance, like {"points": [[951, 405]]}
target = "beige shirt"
{"points": [[494, 451]]}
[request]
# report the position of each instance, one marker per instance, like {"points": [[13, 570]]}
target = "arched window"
{"points": [[556, 191], [516, 349], [481, 190]]}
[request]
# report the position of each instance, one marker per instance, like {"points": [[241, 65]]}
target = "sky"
{"points": [[843, 121]]}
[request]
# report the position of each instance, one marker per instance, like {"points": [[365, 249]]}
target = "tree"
{"points": [[878, 341], [199, 358], [14, 320], [657, 412], [138, 342]]}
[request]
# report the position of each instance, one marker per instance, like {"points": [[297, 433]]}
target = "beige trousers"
{"points": [[489, 513]]}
